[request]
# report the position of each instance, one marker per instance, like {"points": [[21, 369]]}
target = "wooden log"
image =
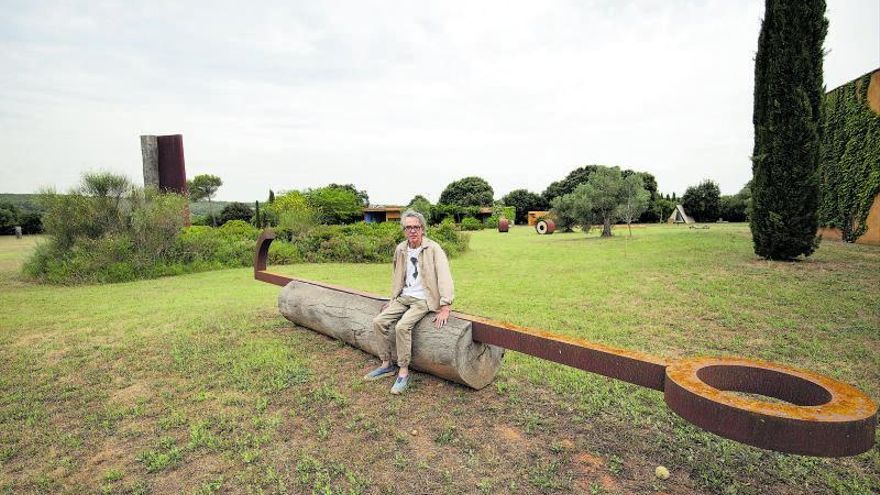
{"points": [[448, 352]]}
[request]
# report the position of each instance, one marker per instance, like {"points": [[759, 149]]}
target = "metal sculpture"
{"points": [[545, 227], [820, 417], [164, 163]]}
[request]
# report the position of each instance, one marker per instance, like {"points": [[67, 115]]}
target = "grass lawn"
{"points": [[196, 385]]}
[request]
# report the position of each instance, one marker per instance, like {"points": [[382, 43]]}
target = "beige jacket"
{"points": [[433, 265]]}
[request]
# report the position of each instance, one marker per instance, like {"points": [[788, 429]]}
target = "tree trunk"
{"points": [[606, 227], [448, 352]]}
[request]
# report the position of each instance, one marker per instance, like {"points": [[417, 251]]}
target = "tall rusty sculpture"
{"points": [[164, 164], [820, 417]]}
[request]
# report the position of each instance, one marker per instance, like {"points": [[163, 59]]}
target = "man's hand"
{"points": [[441, 317]]}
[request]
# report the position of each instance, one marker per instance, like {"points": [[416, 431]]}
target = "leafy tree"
{"points": [[335, 204], [292, 212], [9, 215], [703, 202], [421, 204], [567, 185], [361, 194], [204, 186], [787, 116], [271, 196], [736, 208], [31, 223], [732, 209], [604, 190], [651, 212], [604, 197], [634, 199], [288, 201], [663, 207], [524, 201], [470, 191], [236, 211], [571, 210]]}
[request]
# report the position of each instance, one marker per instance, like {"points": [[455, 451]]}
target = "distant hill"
{"points": [[203, 208], [27, 203]]}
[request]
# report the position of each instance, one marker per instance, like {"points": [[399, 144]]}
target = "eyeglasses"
{"points": [[412, 228]]}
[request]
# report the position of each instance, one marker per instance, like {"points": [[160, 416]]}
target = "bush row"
{"points": [[119, 258], [108, 230]]}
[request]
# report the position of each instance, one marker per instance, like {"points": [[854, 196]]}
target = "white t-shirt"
{"points": [[413, 286]]}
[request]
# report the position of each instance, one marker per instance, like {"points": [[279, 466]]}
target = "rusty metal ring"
{"points": [[820, 416]]}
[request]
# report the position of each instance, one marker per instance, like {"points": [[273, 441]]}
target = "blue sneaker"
{"points": [[381, 372], [400, 384]]}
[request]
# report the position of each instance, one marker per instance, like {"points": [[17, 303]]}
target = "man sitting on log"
{"points": [[421, 283]]}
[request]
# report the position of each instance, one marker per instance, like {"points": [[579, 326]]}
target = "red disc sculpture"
{"points": [[503, 225], [812, 414], [545, 227]]}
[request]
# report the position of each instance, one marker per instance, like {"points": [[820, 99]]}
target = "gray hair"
{"points": [[414, 214]]}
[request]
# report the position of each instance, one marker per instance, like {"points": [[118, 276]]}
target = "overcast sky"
{"points": [[398, 98]]}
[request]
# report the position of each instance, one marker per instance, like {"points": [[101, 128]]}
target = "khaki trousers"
{"points": [[406, 311]]}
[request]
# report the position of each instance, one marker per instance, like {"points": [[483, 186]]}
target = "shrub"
{"points": [[239, 228], [357, 243], [336, 204], [209, 247], [508, 212], [154, 222], [703, 201], [452, 241], [236, 211], [141, 236], [106, 230], [492, 222], [471, 223], [284, 253]]}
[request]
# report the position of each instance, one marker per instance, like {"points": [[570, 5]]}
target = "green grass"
{"points": [[194, 384]]}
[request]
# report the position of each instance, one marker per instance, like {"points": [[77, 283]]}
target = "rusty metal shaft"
{"points": [[821, 416]]}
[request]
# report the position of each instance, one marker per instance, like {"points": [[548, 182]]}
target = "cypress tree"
{"points": [[788, 102]]}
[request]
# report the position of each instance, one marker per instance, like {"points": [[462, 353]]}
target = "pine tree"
{"points": [[788, 97]]}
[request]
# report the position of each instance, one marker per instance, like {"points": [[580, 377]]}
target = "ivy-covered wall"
{"points": [[849, 170]]}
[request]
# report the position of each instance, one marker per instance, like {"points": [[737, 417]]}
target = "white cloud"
{"points": [[397, 98]]}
